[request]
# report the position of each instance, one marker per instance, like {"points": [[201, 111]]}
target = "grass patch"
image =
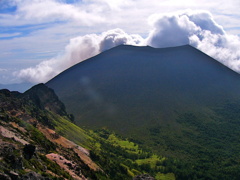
{"points": [[152, 161], [168, 176], [125, 144], [72, 132]]}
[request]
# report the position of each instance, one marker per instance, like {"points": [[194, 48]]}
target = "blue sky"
{"points": [[37, 32]]}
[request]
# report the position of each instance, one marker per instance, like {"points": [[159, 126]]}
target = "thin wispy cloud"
{"points": [[9, 35], [42, 11]]}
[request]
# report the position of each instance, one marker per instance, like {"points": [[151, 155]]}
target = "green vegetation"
{"points": [[123, 159], [123, 143], [173, 102], [200, 145], [201, 148], [118, 157], [152, 161], [39, 139], [71, 131], [168, 176]]}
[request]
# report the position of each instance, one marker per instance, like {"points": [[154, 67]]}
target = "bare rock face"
{"points": [[45, 98], [13, 175], [29, 151], [143, 177], [26, 120], [71, 167], [17, 162], [33, 176], [7, 151], [4, 176]]}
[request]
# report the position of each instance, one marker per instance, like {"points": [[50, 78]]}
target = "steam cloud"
{"points": [[195, 28], [79, 49]]}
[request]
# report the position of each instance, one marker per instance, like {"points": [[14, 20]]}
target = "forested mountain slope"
{"points": [[178, 102]]}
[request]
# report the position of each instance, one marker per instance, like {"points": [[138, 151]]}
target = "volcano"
{"points": [[168, 98]]}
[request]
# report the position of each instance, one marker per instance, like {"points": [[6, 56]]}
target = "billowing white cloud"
{"points": [[175, 29], [79, 49], [224, 48], [117, 37], [196, 28]]}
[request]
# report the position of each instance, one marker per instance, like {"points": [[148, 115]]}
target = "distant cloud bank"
{"points": [[196, 28]]}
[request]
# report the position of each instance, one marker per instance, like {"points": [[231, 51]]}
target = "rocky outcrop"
{"points": [[8, 152], [82, 153], [33, 176], [143, 177], [4, 176], [45, 98], [27, 134], [11, 175], [10, 134], [72, 168], [29, 151]]}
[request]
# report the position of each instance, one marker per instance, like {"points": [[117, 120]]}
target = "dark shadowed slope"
{"points": [[177, 101], [138, 85]]}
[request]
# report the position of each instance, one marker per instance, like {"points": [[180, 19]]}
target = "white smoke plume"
{"points": [[79, 49], [175, 29], [196, 28]]}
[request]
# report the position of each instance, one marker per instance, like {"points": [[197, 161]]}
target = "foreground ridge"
{"points": [[39, 140]]}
